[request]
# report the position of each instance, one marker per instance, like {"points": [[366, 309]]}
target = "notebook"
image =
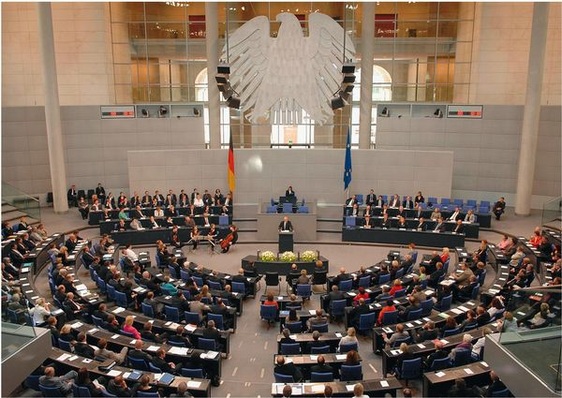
{"points": [[166, 378]]}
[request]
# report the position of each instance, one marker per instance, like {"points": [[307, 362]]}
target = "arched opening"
{"points": [[202, 94]]}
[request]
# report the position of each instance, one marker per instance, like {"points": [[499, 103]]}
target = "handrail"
{"points": [[22, 201]]}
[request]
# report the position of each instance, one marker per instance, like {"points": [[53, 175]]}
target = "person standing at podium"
{"points": [[285, 225], [289, 193]]}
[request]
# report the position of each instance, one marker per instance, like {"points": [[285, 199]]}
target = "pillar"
{"points": [[367, 55], [531, 112], [212, 43], [55, 144]]}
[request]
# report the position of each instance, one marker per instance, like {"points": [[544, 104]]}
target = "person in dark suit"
{"points": [[286, 339], [422, 226], [288, 369], [286, 225], [211, 332], [100, 192], [160, 362], [83, 380], [342, 276], [356, 312], [371, 198], [146, 199], [440, 226], [351, 201], [321, 366], [439, 353], [495, 386], [179, 337], [368, 222], [459, 227], [433, 278], [118, 386], [63, 383], [289, 193], [427, 332], [408, 203], [82, 348], [386, 222], [72, 196], [499, 207], [379, 202], [138, 353]]}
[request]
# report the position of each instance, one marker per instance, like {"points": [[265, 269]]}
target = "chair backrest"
{"points": [[350, 221], [427, 306], [294, 327], [184, 275], [198, 280], [446, 303], [238, 287], [111, 292], [384, 278], [319, 277], [193, 373], [399, 273], [348, 347], [475, 291], [405, 339], [470, 326], [214, 285], [218, 318], [290, 348], [272, 209], [337, 307], [390, 317], [462, 357], [32, 381], [501, 393], [192, 317], [268, 312], [351, 372], [153, 368], [206, 344], [287, 207], [272, 278], [137, 363], [304, 290], [147, 310], [411, 368], [303, 209], [367, 321], [121, 299], [148, 394], [223, 221], [324, 349], [415, 314], [176, 343], [400, 293], [65, 345], [365, 281], [107, 394], [51, 391], [321, 376], [359, 198], [321, 327], [281, 378], [172, 313], [440, 363], [482, 278], [432, 200], [346, 286], [450, 332], [445, 201]]}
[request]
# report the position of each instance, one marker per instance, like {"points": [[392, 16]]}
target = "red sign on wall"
{"points": [[385, 25]]}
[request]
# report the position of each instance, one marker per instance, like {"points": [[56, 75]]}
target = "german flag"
{"points": [[231, 174]]}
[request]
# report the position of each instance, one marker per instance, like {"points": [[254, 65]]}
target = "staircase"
{"points": [[17, 204]]}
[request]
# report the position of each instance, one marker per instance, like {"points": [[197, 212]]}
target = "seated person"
{"points": [[399, 334], [63, 383], [288, 369]]}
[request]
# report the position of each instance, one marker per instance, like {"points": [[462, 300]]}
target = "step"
{"points": [[6, 208]]}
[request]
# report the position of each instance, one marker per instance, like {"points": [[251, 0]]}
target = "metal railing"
{"points": [[552, 211], [21, 201]]}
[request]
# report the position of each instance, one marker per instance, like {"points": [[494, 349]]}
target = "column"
{"points": [[212, 43], [367, 55], [55, 144], [531, 112]]}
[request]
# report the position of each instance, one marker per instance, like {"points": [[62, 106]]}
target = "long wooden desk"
{"points": [[331, 338], [197, 387], [306, 361], [404, 237], [118, 341], [373, 388], [437, 384]]}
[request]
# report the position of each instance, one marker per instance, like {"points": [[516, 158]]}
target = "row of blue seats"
{"points": [[444, 204]]}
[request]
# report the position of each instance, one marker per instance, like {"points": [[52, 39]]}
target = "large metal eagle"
{"points": [[278, 77]]}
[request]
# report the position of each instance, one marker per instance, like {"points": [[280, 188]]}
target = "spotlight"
{"points": [[348, 88], [385, 112], [221, 79], [348, 78], [348, 68], [345, 96], [337, 103], [196, 112], [224, 69], [438, 113], [222, 87], [233, 102], [145, 112], [228, 92], [162, 111]]}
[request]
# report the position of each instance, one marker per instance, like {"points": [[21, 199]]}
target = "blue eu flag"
{"points": [[347, 165]]}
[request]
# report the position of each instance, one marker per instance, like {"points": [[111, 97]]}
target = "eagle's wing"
{"points": [[248, 58], [326, 46]]}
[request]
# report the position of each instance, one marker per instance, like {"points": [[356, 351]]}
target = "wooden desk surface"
{"points": [[390, 384]]}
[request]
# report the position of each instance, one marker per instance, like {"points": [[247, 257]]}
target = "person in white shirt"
{"points": [[477, 347], [41, 310], [359, 391], [130, 254], [470, 217], [198, 202], [350, 338], [158, 212], [136, 225]]}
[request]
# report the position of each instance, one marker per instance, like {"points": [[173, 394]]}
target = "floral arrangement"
{"points": [[268, 256], [309, 256], [288, 257]]}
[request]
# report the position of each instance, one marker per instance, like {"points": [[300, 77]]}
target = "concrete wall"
{"points": [[316, 175], [486, 150]]}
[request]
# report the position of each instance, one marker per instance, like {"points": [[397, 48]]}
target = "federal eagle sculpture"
{"points": [[277, 78]]}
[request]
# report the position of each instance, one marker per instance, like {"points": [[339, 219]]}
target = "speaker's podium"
{"points": [[285, 241]]}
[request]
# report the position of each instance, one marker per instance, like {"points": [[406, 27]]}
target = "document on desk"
{"points": [[193, 384], [113, 373], [63, 357], [178, 351], [456, 311], [395, 352], [76, 325], [384, 383], [349, 387], [317, 388], [341, 357], [190, 327], [462, 308], [468, 371], [338, 335], [72, 358], [118, 310], [312, 312], [440, 374], [153, 348], [115, 336]]}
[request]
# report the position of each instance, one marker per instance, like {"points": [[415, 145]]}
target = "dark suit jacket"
{"points": [[84, 350], [163, 365], [140, 355], [289, 226], [289, 369], [321, 368]]}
